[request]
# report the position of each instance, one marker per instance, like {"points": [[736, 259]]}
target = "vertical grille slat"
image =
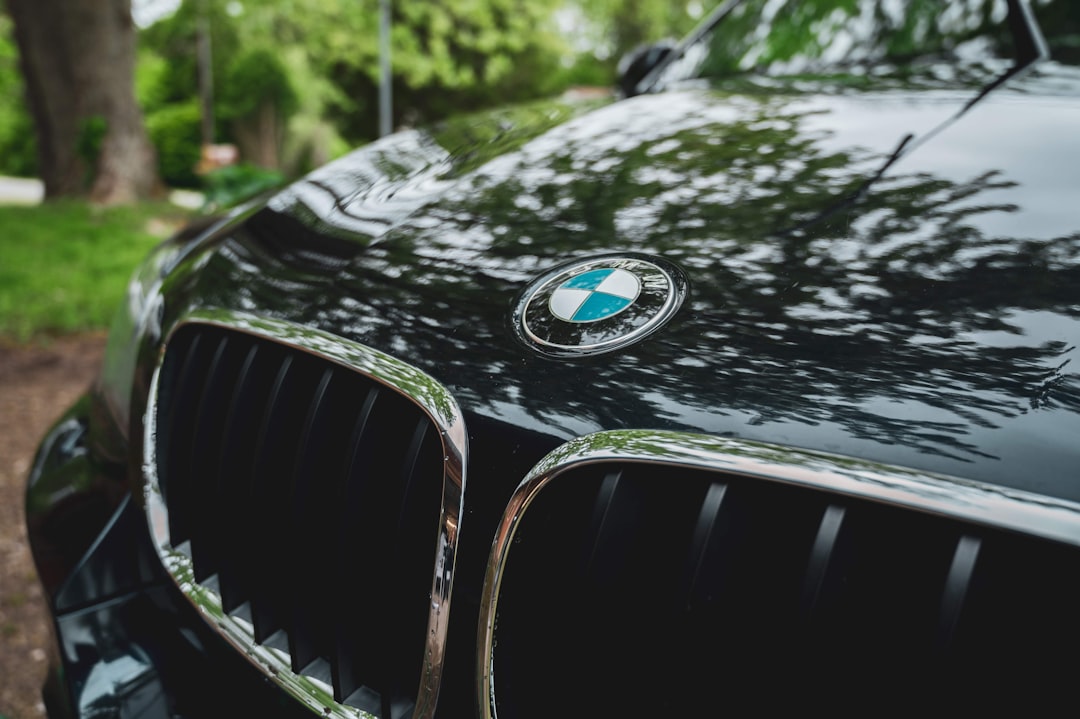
{"points": [[602, 556], [367, 642], [343, 668], [957, 583], [301, 527], [296, 479], [182, 417], [380, 466], [275, 587], [264, 604], [414, 545], [409, 478], [900, 562], [235, 446], [407, 541], [209, 424], [709, 527], [821, 556], [599, 559]]}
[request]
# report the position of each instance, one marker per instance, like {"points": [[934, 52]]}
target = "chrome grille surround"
{"points": [[935, 495], [423, 391]]}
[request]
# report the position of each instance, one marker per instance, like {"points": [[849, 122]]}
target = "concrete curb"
{"points": [[29, 191], [20, 191]]}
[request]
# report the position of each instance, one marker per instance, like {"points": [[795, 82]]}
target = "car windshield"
{"points": [[865, 37]]}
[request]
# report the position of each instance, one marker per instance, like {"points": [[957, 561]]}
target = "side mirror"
{"points": [[639, 62]]}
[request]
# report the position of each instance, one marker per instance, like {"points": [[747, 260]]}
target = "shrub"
{"points": [[18, 155], [255, 78], [175, 132], [229, 186]]}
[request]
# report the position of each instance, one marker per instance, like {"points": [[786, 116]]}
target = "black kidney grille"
{"points": [[665, 591], [309, 496]]}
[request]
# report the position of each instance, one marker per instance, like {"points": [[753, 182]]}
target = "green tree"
{"points": [[258, 98], [16, 151], [634, 22], [448, 57], [619, 26], [77, 59]]}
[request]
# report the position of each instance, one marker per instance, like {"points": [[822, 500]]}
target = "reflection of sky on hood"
{"points": [[1017, 126], [369, 192]]}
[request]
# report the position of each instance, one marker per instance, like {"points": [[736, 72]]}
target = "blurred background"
{"points": [[280, 87], [108, 103]]}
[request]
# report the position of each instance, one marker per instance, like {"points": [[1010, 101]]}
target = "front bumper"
{"points": [[128, 644], [854, 582]]}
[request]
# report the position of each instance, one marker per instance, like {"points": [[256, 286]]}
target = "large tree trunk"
{"points": [[78, 62], [261, 135]]}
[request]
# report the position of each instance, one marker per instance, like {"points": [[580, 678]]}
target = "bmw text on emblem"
{"points": [[598, 305]]}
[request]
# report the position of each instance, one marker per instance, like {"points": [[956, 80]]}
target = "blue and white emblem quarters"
{"points": [[594, 295], [598, 305]]}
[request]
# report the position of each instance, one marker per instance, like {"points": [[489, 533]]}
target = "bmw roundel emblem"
{"points": [[599, 304]]}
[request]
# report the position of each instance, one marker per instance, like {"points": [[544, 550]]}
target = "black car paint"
{"points": [[895, 279], [926, 323]]}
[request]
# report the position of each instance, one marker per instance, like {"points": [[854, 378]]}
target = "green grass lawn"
{"points": [[64, 265]]}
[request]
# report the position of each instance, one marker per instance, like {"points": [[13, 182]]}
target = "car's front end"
{"points": [[752, 388]]}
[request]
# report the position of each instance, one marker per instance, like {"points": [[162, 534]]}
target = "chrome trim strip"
{"points": [[434, 399], [951, 497]]}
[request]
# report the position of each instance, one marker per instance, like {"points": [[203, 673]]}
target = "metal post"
{"points": [[206, 79], [385, 89]]}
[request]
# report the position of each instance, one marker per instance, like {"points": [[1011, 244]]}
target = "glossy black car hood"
{"points": [[873, 274]]}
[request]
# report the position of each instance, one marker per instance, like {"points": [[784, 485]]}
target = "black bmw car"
{"points": [[752, 391]]}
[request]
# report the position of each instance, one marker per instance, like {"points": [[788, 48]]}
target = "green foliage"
{"points": [[64, 266], [311, 139], [318, 61], [256, 77], [587, 69], [18, 154], [447, 57], [152, 78], [17, 146], [175, 132], [91, 135], [461, 43], [619, 26], [228, 186], [175, 40]]}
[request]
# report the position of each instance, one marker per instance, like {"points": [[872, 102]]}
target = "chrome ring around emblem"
{"points": [[599, 304]]}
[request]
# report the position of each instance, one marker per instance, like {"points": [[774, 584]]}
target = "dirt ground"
{"points": [[36, 385]]}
